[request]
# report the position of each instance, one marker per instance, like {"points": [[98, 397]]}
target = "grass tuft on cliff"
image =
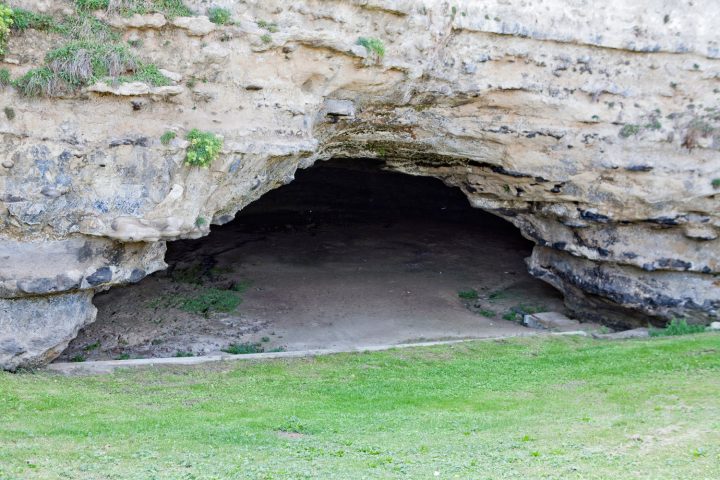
{"points": [[169, 8], [80, 63], [219, 16], [25, 20], [562, 407], [6, 23], [374, 46]]}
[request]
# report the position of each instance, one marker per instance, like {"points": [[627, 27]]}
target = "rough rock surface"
{"points": [[594, 129]]}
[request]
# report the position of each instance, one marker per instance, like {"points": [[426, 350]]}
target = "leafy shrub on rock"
{"points": [[6, 21], [219, 16], [204, 148]]}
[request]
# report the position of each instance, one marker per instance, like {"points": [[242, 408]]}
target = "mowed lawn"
{"points": [[562, 407]]}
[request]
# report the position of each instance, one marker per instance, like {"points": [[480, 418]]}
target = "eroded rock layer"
{"points": [[594, 129]]}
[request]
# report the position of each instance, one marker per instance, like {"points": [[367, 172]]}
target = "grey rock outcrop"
{"points": [[594, 129]]}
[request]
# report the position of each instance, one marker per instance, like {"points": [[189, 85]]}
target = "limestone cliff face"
{"points": [[595, 130]]}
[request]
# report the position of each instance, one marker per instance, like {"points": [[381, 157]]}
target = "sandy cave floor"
{"points": [[324, 280]]}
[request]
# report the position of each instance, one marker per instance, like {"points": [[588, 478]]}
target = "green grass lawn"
{"points": [[562, 407]]}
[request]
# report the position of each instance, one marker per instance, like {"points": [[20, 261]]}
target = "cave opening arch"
{"points": [[349, 254]]}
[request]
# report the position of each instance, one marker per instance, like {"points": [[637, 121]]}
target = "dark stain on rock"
{"points": [[101, 275], [595, 217], [639, 168], [137, 275], [85, 252], [137, 142]]}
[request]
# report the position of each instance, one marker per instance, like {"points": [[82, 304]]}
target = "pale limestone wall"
{"points": [[518, 103]]}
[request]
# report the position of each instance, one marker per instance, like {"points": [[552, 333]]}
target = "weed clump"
{"points": [[219, 16], [5, 78], [716, 183], [167, 137], [629, 130], [243, 348], [204, 148], [6, 21], [39, 82], [169, 8], [373, 45], [80, 63], [147, 73], [470, 294], [25, 20], [204, 302], [676, 327], [269, 26]]}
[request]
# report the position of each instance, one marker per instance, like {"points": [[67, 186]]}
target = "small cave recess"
{"points": [[347, 255]]}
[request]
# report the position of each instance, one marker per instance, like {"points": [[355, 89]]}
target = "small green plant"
{"points": [[716, 183], [498, 295], [219, 16], [25, 20], [92, 4], [78, 358], [265, 339], [9, 113], [123, 356], [629, 130], [676, 327], [487, 313], [243, 348], [38, 82], [211, 300], [470, 294], [5, 78], [512, 316], [167, 137], [6, 21], [266, 38], [204, 148], [182, 353], [269, 26], [92, 346], [169, 8], [373, 45], [200, 221], [148, 73], [85, 26]]}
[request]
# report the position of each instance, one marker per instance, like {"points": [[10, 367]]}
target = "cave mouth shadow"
{"points": [[347, 255], [356, 192]]}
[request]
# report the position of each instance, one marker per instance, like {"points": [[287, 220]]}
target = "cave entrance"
{"points": [[347, 255]]}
